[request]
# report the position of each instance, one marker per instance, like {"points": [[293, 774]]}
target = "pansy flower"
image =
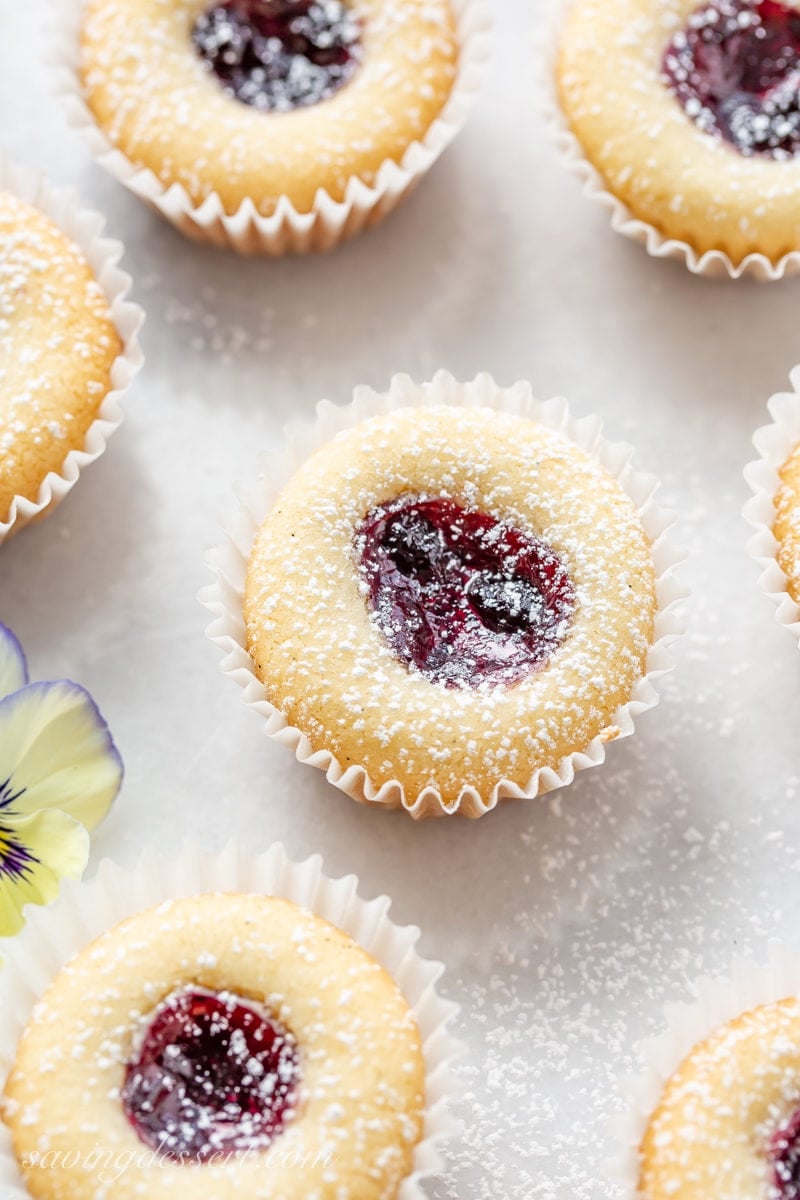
{"points": [[59, 774]]}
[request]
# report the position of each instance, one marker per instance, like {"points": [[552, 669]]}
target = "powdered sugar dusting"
{"points": [[146, 84], [351, 1124], [465, 599], [670, 172], [727, 1119], [279, 56], [734, 69], [211, 1073], [307, 623]]}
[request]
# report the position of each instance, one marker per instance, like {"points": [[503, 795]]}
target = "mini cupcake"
{"points": [[271, 125], [774, 510], [717, 1112], [685, 119], [450, 601], [226, 1042], [69, 345]]}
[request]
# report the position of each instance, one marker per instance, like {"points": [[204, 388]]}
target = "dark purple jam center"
{"points": [[784, 1156], [464, 598], [213, 1077], [735, 69], [280, 54]]}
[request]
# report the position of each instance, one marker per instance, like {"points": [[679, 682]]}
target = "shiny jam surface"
{"points": [[467, 600], [278, 55], [735, 70], [212, 1077]]}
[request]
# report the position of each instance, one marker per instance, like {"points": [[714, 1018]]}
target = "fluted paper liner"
{"points": [[84, 228], [85, 910], [714, 1003], [774, 443], [224, 598], [714, 264], [287, 230]]}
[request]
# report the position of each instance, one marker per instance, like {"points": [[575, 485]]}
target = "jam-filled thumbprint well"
{"points": [[691, 114], [735, 69], [449, 596], [280, 54], [224, 1045], [211, 1075], [464, 598]]}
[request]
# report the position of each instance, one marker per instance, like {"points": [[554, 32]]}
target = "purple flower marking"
{"points": [[15, 859]]}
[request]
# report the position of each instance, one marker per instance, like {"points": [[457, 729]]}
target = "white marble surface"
{"points": [[565, 923]]}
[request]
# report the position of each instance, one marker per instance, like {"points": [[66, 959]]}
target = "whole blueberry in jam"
{"points": [[466, 599], [280, 54], [784, 1156], [735, 69], [212, 1076]]}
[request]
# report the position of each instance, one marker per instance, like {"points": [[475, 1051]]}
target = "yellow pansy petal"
{"points": [[13, 668], [36, 853], [56, 752]]}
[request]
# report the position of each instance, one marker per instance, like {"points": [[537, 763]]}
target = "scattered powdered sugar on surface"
{"points": [[200, 327]]}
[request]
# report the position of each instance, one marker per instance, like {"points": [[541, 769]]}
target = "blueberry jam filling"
{"points": [[280, 54], [735, 70], [464, 598], [784, 1156], [213, 1076]]}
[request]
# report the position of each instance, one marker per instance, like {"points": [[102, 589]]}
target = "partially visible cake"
{"points": [[57, 347], [787, 523], [727, 1126]]}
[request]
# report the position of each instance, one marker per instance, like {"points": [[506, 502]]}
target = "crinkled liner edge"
{"points": [[775, 443], [713, 264], [715, 1001], [286, 231], [84, 227], [83, 911], [228, 562]]}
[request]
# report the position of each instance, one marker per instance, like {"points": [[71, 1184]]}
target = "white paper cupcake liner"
{"points": [[774, 443], [714, 264], [287, 230], [715, 1002], [224, 598], [84, 228], [83, 911]]}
